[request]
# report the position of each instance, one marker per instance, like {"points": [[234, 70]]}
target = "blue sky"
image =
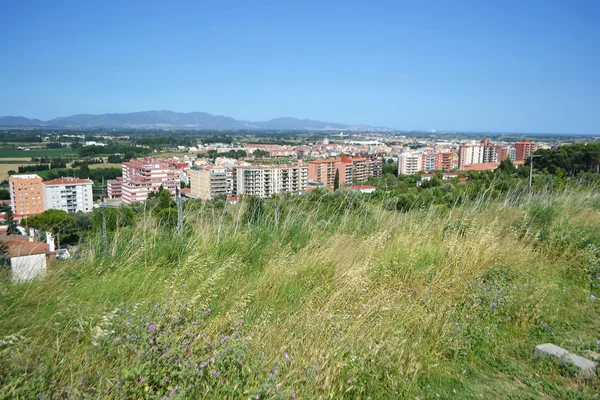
{"points": [[510, 66]]}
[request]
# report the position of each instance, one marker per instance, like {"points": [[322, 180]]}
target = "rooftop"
{"points": [[69, 181]]}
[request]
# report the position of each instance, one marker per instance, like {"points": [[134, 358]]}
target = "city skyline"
{"points": [[506, 67]]}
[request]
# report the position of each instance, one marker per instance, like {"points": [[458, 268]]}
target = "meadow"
{"points": [[331, 297], [14, 153]]}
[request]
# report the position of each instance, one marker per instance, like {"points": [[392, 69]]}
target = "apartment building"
{"points": [[115, 188], [26, 195], [447, 160], [523, 150], [209, 182], [265, 181], [351, 169], [409, 162], [323, 171], [142, 177], [68, 194]]}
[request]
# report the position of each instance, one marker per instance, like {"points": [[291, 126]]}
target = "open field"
{"points": [[316, 300], [14, 153]]}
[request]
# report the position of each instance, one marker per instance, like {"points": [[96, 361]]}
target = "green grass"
{"points": [[14, 153], [323, 303]]}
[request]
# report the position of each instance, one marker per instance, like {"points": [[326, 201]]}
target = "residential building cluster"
{"points": [[29, 195], [469, 155]]}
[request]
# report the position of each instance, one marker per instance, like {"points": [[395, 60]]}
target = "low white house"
{"points": [[28, 260]]}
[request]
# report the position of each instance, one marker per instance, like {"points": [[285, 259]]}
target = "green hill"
{"points": [[316, 297]]}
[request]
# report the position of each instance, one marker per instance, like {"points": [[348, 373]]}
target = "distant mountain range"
{"points": [[171, 119]]}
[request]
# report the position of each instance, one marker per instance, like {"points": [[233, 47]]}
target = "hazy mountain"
{"points": [[19, 121], [171, 119]]}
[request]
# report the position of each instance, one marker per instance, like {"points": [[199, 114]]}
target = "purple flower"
{"points": [[293, 395], [257, 397], [214, 373], [168, 351], [142, 380], [42, 396], [207, 311], [152, 327], [166, 380], [139, 354], [117, 339], [202, 365], [240, 358]]}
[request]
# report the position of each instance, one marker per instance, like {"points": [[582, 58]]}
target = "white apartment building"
{"points": [[409, 162], [68, 194], [470, 153], [265, 181]]}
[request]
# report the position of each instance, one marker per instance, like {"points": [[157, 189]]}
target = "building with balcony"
{"points": [[209, 182], [69, 194], [145, 176], [265, 181]]}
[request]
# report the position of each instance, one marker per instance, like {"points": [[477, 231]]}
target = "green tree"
{"points": [[116, 217], [49, 221], [336, 180], [10, 220]]}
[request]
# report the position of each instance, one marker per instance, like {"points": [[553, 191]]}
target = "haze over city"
{"points": [[508, 66]]}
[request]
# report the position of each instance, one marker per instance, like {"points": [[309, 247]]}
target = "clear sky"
{"points": [[510, 66]]}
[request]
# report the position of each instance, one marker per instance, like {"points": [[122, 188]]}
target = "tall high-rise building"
{"points": [[524, 150], [26, 195], [209, 182], [69, 194]]}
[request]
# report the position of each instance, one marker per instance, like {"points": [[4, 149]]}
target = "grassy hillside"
{"points": [[327, 300]]}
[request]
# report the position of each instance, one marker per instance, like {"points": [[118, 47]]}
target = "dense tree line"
{"points": [[572, 160], [90, 151], [91, 161], [84, 172]]}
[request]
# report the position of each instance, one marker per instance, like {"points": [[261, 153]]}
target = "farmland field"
{"points": [[14, 153]]}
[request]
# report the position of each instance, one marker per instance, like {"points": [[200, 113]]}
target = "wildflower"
{"points": [[168, 351], [202, 365], [117, 340], [350, 382], [257, 397], [42, 396], [286, 356], [214, 373], [139, 354], [81, 381], [207, 311], [152, 327], [293, 395], [166, 380], [437, 395], [142, 380]]}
